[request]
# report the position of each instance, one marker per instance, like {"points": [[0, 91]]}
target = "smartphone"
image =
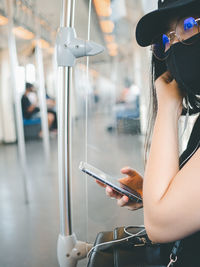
{"points": [[110, 181]]}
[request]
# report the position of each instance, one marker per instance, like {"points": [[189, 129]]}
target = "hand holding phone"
{"points": [[115, 184], [133, 180]]}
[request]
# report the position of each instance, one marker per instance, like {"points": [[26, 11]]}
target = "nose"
{"points": [[173, 38]]}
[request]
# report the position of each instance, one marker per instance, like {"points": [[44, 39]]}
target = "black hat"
{"points": [[155, 22]]}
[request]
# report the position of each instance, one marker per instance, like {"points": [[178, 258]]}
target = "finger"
{"points": [[129, 171], [112, 193], [99, 183], [123, 201], [133, 180], [136, 206], [131, 205]]}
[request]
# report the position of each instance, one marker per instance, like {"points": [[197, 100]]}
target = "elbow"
{"points": [[152, 234], [159, 237], [152, 226], [157, 232], [156, 224]]}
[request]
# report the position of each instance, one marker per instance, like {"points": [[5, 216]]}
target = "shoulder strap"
{"points": [[193, 143], [191, 154], [174, 253]]}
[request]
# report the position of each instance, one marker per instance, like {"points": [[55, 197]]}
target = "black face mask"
{"points": [[183, 62]]}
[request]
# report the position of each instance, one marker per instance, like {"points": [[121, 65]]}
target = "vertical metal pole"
{"points": [[42, 99], [64, 129], [67, 242], [17, 98], [42, 92]]}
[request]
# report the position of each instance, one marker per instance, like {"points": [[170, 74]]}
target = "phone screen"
{"points": [[109, 180]]}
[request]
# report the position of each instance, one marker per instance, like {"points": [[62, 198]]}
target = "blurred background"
{"points": [[109, 112]]}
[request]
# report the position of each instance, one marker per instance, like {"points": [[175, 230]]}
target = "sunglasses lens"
{"points": [[189, 24], [160, 46], [186, 28]]}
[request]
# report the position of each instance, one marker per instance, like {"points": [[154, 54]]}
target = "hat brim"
{"points": [[155, 22]]}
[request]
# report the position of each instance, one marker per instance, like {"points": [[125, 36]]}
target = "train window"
{"points": [[108, 105]]}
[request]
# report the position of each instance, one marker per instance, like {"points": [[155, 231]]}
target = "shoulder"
{"points": [[25, 100], [24, 97]]}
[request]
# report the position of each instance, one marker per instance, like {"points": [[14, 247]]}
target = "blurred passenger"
{"points": [[29, 103], [51, 103], [31, 110], [129, 96], [32, 96], [51, 108], [127, 106], [96, 96]]}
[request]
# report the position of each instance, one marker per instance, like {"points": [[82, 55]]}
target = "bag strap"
{"points": [[174, 253]]}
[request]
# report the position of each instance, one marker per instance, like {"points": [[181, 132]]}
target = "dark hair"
{"points": [[29, 85], [191, 101]]}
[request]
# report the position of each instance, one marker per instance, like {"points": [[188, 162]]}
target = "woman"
{"points": [[171, 184]]}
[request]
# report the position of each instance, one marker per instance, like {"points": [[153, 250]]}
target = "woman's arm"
{"points": [[167, 192]]}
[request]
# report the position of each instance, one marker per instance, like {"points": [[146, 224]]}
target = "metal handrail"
{"points": [[64, 130]]}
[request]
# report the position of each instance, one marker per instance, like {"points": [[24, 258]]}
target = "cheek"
{"points": [[167, 47]]}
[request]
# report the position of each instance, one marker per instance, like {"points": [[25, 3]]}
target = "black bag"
{"points": [[137, 251]]}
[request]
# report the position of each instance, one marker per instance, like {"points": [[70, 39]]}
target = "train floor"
{"points": [[29, 232]]}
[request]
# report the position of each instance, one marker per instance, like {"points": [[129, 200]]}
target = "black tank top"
{"points": [[190, 247]]}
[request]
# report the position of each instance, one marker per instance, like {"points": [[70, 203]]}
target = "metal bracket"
{"points": [[70, 251], [69, 47]]}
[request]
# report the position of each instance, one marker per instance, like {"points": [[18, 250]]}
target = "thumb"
{"points": [[128, 171]]}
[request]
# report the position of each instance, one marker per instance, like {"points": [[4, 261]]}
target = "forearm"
{"points": [[31, 108], [163, 162]]}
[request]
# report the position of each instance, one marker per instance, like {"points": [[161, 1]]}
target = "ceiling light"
{"points": [[42, 43], [107, 26], [112, 46], [113, 53], [103, 8], [3, 20], [51, 50], [23, 33], [109, 38]]}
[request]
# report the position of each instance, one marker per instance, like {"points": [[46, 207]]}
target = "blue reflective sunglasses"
{"points": [[184, 30]]}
